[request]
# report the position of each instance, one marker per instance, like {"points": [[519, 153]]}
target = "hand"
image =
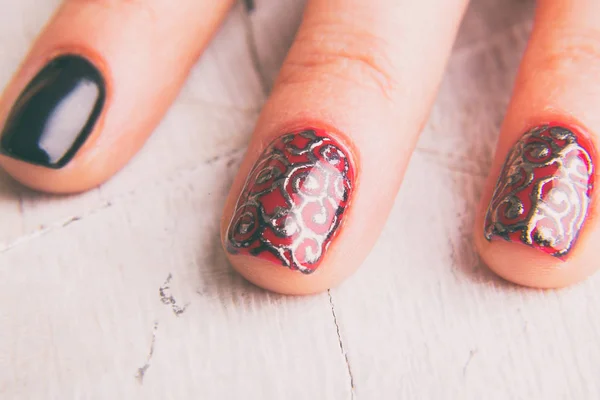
{"points": [[332, 143]]}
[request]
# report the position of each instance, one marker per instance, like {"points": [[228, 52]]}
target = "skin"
{"points": [[556, 82], [367, 70]]}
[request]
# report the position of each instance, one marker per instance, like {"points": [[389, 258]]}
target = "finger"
{"points": [[332, 142], [541, 226], [96, 82]]}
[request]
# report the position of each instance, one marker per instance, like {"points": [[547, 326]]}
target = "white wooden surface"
{"points": [[124, 293]]}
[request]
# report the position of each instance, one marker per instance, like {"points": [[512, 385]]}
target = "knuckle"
{"points": [[109, 3], [121, 6], [573, 50], [330, 51]]}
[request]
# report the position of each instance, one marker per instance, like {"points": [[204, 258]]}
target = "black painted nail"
{"points": [[55, 114]]}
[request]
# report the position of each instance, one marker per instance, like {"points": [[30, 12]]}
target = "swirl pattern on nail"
{"points": [[543, 193], [294, 201]]}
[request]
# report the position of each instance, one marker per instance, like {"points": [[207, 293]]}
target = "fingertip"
{"points": [[527, 266], [95, 84], [304, 212], [276, 278], [282, 230], [87, 171]]}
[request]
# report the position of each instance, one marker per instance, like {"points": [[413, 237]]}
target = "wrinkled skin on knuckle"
{"points": [[336, 52], [570, 53], [143, 7], [113, 3]]}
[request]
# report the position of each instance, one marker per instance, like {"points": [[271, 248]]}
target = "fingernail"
{"points": [[294, 201], [55, 114], [543, 194]]}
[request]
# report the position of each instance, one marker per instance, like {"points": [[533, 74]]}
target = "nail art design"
{"points": [[55, 113], [294, 201], [543, 193]]}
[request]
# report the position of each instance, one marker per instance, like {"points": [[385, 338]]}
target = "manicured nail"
{"points": [[55, 114], [294, 201], [543, 194]]}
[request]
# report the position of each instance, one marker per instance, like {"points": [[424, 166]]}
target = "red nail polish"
{"points": [[294, 201], [543, 194]]}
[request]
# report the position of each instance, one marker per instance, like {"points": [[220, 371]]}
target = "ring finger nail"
{"points": [[55, 113], [543, 193], [294, 200]]}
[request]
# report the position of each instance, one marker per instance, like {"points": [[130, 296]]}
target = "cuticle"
{"points": [[337, 134]]}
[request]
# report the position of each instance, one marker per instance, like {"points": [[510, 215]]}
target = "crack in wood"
{"points": [[141, 372], [46, 229], [471, 355], [43, 230], [71, 220], [250, 5], [167, 298], [341, 343], [253, 49]]}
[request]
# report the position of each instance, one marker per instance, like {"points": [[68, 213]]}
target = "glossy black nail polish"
{"points": [[55, 114]]}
